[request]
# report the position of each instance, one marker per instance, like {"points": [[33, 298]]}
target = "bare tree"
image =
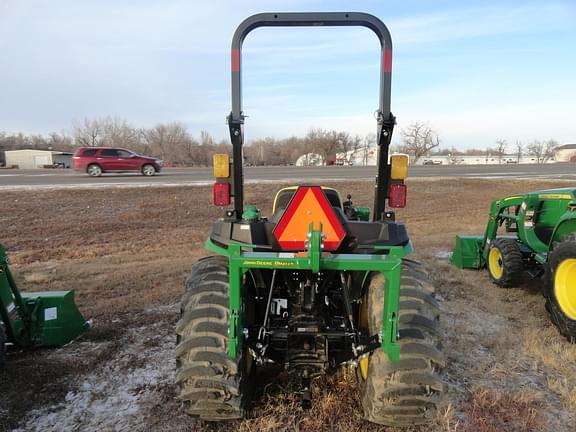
{"points": [[327, 143], [119, 133], [292, 148], [448, 152], [475, 152], [519, 150], [263, 151], [108, 131], [88, 133], [167, 140], [193, 154], [543, 151], [500, 149], [550, 149], [346, 144], [354, 145], [58, 141], [368, 145], [489, 151], [206, 138], [418, 139]]}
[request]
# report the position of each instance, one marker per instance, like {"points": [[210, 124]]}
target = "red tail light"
{"points": [[397, 195], [221, 194]]}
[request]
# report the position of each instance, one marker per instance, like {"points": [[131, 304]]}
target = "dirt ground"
{"points": [[127, 251]]}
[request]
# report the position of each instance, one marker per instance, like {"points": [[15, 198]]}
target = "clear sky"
{"points": [[476, 71]]}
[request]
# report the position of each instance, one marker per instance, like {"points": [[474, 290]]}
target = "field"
{"points": [[127, 251]]}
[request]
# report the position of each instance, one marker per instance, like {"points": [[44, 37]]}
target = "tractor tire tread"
{"points": [[408, 392], [564, 249], [209, 381], [512, 261]]}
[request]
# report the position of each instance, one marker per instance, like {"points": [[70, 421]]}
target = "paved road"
{"points": [[41, 178]]}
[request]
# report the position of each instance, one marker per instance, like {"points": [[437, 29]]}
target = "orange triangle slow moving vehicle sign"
{"points": [[308, 205]]}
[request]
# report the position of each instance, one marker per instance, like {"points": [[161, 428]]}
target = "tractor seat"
{"points": [[284, 196], [371, 234], [367, 235]]}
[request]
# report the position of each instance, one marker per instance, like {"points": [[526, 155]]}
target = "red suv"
{"points": [[98, 160]]}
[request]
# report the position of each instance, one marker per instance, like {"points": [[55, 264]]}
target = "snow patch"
{"points": [[113, 396], [443, 254]]}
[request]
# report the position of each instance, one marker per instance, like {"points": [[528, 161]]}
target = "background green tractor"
{"points": [[539, 239], [315, 286]]}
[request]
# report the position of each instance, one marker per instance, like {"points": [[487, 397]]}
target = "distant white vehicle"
{"points": [[310, 159]]}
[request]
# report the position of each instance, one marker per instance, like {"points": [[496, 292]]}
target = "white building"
{"points": [[565, 153], [30, 159], [369, 157], [363, 156], [478, 160]]}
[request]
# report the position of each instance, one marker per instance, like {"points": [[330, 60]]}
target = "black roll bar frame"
{"points": [[385, 119]]}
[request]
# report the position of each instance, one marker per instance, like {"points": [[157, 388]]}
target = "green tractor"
{"points": [[315, 286], [36, 319], [539, 239]]}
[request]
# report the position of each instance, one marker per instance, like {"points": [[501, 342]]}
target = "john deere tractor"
{"points": [[538, 240], [36, 319], [314, 286]]}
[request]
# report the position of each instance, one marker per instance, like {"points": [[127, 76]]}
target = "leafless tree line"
{"points": [[173, 143], [326, 143], [541, 150], [420, 139], [168, 141]]}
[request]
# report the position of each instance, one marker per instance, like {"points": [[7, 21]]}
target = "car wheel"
{"points": [[94, 170], [148, 170]]}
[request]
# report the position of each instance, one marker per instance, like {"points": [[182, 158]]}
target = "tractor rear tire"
{"points": [[560, 288], [212, 386], [409, 391], [505, 263]]}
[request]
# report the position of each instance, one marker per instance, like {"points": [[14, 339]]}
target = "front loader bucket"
{"points": [[467, 252], [56, 319]]}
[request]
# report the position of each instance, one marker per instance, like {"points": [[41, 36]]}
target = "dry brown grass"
{"points": [[336, 409], [490, 411], [554, 354], [125, 250]]}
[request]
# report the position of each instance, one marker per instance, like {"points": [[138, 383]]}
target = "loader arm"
{"points": [[496, 217]]}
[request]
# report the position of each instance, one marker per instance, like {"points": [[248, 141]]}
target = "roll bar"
{"points": [[385, 118]]}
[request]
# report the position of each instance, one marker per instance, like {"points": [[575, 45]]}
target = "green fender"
{"points": [[566, 226]]}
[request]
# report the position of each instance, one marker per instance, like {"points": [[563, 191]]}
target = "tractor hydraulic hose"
{"points": [[348, 307], [262, 331]]}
